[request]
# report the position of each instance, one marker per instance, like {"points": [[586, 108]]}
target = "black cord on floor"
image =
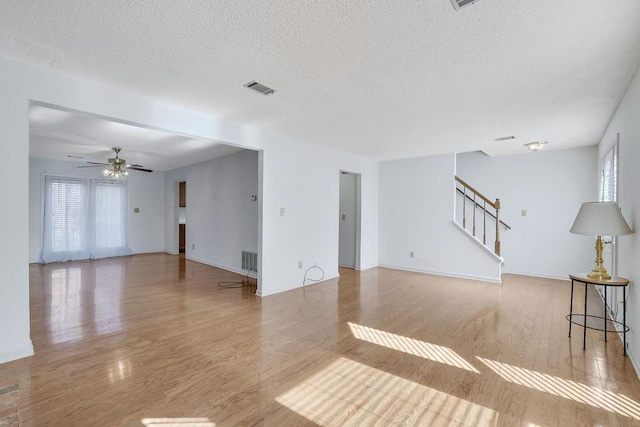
{"points": [[304, 281], [244, 284]]}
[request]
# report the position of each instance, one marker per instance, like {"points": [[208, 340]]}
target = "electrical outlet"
{"points": [[344, 217], [411, 255], [193, 246], [136, 210], [300, 264], [281, 211], [523, 212]]}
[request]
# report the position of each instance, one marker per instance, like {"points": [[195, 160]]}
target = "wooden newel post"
{"points": [[497, 246]]}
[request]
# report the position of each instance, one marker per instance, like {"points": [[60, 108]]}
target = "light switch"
{"points": [[136, 210], [344, 217], [524, 212], [281, 211]]}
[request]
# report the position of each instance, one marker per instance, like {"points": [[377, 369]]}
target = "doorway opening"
{"points": [[349, 221]]}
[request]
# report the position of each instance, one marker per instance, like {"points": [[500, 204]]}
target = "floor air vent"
{"points": [[265, 90], [459, 4], [249, 261]]}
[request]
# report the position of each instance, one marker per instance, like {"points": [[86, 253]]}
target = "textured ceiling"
{"points": [[383, 79], [56, 135]]}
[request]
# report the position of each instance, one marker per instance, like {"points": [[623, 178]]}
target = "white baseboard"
{"points": [[445, 274], [634, 362], [542, 275], [222, 267], [366, 267], [326, 279], [17, 353]]}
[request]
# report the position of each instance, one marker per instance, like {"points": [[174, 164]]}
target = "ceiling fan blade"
{"points": [[135, 166], [139, 169], [96, 163], [92, 166]]}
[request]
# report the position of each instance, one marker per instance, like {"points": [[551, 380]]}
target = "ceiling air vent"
{"points": [[459, 4], [504, 138], [265, 90]]}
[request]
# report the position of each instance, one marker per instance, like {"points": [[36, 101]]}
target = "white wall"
{"points": [[348, 197], [296, 175], [14, 224], [304, 179], [146, 192], [222, 220], [416, 215], [626, 121], [551, 186]]}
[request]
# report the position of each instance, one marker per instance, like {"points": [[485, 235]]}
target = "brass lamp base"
{"points": [[599, 275], [599, 271]]}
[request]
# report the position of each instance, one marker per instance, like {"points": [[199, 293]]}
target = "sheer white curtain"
{"points": [[110, 219], [84, 219]]}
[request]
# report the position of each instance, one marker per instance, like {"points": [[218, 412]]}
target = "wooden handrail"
{"points": [[478, 205], [479, 194], [493, 204]]}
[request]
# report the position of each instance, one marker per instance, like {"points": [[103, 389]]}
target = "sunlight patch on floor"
{"points": [[348, 393], [436, 353], [568, 389], [177, 422]]}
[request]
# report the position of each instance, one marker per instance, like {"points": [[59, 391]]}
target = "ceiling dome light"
{"points": [[536, 146]]}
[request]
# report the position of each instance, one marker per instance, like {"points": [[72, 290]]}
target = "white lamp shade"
{"points": [[600, 219]]}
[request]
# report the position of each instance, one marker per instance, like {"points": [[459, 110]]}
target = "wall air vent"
{"points": [[259, 87], [459, 4], [249, 261]]}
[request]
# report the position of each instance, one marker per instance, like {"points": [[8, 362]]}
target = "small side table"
{"points": [[614, 281]]}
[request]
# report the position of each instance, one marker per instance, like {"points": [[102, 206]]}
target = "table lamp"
{"points": [[600, 219]]}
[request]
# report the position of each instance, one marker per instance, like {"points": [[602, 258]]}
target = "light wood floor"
{"points": [[135, 340]]}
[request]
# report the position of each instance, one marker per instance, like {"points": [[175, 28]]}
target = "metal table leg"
{"points": [[571, 308], [624, 321], [584, 333], [605, 314]]}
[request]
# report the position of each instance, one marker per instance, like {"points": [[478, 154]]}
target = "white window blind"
{"points": [[84, 219], [609, 176], [65, 220]]}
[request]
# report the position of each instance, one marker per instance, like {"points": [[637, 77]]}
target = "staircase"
{"points": [[479, 217]]}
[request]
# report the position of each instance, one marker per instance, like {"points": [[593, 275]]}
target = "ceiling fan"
{"points": [[117, 167]]}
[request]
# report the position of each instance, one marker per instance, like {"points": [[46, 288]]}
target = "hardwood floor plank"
{"points": [[152, 336]]}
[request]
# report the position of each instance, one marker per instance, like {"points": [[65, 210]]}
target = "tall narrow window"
{"points": [[110, 225], [65, 220], [609, 176], [609, 193]]}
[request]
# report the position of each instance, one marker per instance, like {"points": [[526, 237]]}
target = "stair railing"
{"points": [[480, 201]]}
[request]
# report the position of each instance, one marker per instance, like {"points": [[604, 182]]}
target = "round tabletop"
{"points": [[614, 281]]}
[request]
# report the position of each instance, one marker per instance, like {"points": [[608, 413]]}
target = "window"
{"points": [[84, 219], [609, 193], [109, 203], [609, 176]]}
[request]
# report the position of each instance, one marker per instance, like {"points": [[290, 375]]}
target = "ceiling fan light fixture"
{"points": [[115, 173], [116, 168], [536, 145]]}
